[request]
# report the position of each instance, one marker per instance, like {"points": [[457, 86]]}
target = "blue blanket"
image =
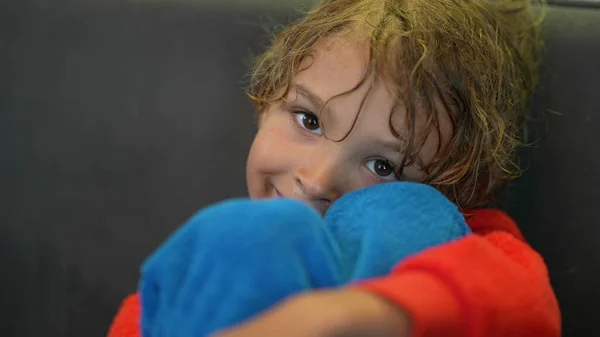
{"points": [[235, 259]]}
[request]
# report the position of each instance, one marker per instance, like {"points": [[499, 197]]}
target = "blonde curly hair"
{"points": [[479, 58]]}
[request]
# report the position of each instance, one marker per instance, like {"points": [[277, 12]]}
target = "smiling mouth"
{"points": [[318, 206], [279, 195]]}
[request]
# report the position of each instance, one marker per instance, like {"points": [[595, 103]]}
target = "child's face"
{"points": [[290, 157]]}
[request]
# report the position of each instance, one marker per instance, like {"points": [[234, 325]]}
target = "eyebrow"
{"points": [[396, 146], [310, 96]]}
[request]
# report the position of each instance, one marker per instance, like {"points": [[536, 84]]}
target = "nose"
{"points": [[317, 182]]}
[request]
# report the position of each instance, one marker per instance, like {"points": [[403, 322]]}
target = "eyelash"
{"points": [[391, 176], [307, 114]]}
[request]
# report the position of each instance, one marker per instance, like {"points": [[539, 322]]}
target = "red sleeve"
{"points": [[127, 321], [489, 284]]}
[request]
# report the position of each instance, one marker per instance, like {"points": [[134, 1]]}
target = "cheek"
{"points": [[269, 155], [366, 178], [269, 150]]}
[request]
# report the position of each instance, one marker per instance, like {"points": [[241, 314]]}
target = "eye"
{"points": [[308, 121], [382, 168]]}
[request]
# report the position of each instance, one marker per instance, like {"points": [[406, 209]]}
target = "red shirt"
{"points": [[488, 284]]}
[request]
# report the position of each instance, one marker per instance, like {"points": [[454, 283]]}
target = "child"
{"points": [[363, 92]]}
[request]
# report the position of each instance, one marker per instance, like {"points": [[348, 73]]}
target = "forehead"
{"points": [[337, 65], [336, 76]]}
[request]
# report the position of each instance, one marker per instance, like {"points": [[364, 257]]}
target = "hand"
{"points": [[340, 313]]}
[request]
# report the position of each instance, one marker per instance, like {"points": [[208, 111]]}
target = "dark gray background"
{"points": [[118, 120]]}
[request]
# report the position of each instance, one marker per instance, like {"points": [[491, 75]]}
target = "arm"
{"points": [[492, 284], [127, 321]]}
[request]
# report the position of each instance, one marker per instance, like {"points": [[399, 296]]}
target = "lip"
{"points": [[279, 195], [320, 207]]}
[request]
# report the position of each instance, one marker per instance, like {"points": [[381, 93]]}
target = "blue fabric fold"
{"points": [[235, 259]]}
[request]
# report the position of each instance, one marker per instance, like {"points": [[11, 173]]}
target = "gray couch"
{"points": [[118, 121]]}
